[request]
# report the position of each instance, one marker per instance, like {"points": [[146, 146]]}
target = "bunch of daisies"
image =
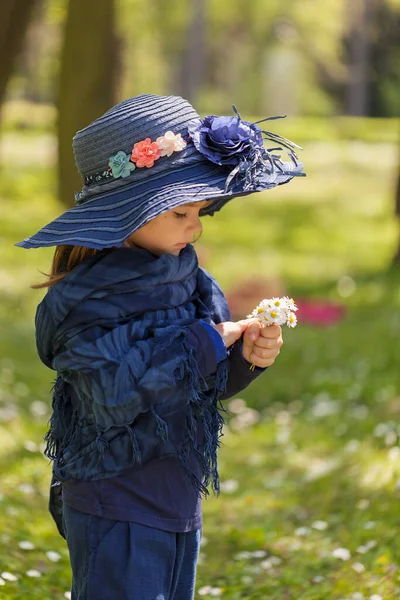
{"points": [[276, 310]]}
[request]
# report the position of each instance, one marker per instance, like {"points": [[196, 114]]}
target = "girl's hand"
{"points": [[262, 351], [231, 331]]}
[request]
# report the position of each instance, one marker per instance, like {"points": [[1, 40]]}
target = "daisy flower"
{"points": [[275, 310]]}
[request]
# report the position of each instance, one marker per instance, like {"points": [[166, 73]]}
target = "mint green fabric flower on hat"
{"points": [[120, 164]]}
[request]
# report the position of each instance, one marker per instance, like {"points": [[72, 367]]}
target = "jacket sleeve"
{"points": [[240, 376], [126, 377], [210, 349]]}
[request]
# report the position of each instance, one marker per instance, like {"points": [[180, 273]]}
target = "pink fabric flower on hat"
{"points": [[144, 153], [170, 142]]}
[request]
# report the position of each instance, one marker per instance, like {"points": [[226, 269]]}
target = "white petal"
{"points": [[342, 553], [53, 556], [26, 545], [9, 576], [33, 573]]}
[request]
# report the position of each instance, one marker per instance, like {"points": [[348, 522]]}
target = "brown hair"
{"points": [[64, 260], [66, 257]]}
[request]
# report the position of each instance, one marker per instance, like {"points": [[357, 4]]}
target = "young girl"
{"points": [[142, 341]]}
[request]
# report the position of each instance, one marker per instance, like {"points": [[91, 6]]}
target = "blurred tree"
{"points": [[385, 90], [15, 18], [193, 66], [361, 18], [88, 80], [396, 260]]}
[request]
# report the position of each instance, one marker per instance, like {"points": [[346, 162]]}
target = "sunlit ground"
{"points": [[310, 464]]}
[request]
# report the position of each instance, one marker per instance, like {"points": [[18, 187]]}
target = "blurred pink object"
{"points": [[319, 312]]}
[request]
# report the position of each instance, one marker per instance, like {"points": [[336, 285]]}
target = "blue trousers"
{"points": [[121, 560]]}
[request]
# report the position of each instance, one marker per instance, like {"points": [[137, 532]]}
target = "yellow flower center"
{"points": [[260, 310], [277, 303], [274, 314]]}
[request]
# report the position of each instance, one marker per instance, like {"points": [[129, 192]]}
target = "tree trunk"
{"points": [[15, 18], [396, 258], [88, 80], [193, 58], [361, 13]]}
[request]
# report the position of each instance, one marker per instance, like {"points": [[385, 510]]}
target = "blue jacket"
{"points": [[132, 384]]}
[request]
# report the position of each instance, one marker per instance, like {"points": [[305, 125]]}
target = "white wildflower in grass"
{"points": [[26, 545], [365, 547], [53, 556], [369, 525], [39, 408], [206, 590], [2, 582], [266, 564], [302, 531], [229, 486], [391, 438], [259, 553], [320, 525], [394, 453], [8, 576], [237, 405], [318, 579], [246, 579], [26, 488], [352, 446], [245, 419], [341, 553], [203, 541], [244, 555], [33, 573], [362, 504], [67, 595], [357, 596], [358, 567], [216, 591], [375, 597]]}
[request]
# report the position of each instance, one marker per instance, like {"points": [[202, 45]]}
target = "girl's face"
{"points": [[170, 232]]}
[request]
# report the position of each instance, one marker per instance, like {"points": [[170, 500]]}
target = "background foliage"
{"points": [[310, 463]]}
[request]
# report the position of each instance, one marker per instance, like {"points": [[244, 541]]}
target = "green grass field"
{"points": [[310, 464]]}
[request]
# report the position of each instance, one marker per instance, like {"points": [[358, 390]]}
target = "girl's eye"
{"points": [[181, 215]]}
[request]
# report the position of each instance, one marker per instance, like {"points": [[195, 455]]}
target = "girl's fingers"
{"points": [[272, 331], [265, 353], [270, 343]]}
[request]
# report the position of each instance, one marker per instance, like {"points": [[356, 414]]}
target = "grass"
{"points": [[310, 462]]}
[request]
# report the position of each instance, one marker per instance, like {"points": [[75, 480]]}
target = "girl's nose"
{"points": [[196, 224]]}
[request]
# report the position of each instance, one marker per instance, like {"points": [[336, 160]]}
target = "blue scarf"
{"points": [[128, 309]]}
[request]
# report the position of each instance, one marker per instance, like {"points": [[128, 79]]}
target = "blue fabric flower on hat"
{"points": [[120, 164], [225, 140], [232, 141]]}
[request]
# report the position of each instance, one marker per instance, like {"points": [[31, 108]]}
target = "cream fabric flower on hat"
{"points": [[170, 142]]}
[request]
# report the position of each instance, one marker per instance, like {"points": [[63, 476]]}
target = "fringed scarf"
{"points": [[131, 294]]}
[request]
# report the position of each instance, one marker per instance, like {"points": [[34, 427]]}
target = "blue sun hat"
{"points": [[149, 154]]}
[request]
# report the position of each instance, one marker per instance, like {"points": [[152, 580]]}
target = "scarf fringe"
{"points": [[202, 406], [63, 430]]}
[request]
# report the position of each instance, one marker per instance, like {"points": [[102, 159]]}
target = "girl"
{"points": [[142, 341]]}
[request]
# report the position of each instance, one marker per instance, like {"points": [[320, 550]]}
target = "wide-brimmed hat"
{"points": [[149, 154]]}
